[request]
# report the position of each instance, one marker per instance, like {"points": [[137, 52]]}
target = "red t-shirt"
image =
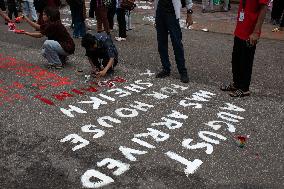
{"points": [[251, 12]]}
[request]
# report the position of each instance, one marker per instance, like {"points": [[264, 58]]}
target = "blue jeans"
{"points": [[79, 29], [29, 8], [167, 23], [51, 50]]}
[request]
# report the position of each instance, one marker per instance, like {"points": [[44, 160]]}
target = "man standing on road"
{"points": [[167, 22], [251, 15]]}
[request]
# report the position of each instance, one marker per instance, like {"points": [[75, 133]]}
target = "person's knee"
{"points": [[47, 44]]}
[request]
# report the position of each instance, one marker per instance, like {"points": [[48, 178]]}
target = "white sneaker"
{"points": [[120, 39]]}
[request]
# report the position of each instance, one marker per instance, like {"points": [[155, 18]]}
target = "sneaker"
{"points": [[184, 78], [58, 66], [120, 39], [163, 74]]}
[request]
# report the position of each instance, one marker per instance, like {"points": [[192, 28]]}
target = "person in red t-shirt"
{"points": [[251, 15]]}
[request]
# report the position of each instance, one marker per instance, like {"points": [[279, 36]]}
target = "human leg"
{"points": [[51, 50]]}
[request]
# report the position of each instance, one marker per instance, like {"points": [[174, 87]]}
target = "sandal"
{"points": [[229, 87], [239, 93]]}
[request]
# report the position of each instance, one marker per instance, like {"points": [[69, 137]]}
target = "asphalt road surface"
{"points": [[62, 130]]}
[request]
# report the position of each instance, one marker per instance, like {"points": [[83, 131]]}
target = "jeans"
{"points": [[165, 24], [79, 29], [52, 50], [242, 61], [29, 8], [128, 20]]}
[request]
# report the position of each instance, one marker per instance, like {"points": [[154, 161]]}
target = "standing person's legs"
{"points": [[282, 23], [275, 13], [10, 12], [51, 50], [98, 14], [162, 38], [82, 29], [15, 11], [2, 5], [176, 38], [121, 22], [110, 17], [236, 58], [26, 9], [105, 20], [92, 9], [33, 11], [246, 63]]}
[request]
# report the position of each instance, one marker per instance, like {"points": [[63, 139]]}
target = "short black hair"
{"points": [[53, 14], [88, 41]]}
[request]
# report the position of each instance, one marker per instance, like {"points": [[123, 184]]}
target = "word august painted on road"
{"points": [[158, 132]]}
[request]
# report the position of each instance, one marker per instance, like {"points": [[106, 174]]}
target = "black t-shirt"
{"points": [[56, 31], [167, 6]]}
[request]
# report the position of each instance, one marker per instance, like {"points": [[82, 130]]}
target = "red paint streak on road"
{"points": [[45, 100], [118, 80], [77, 91], [17, 85], [90, 89], [62, 96], [43, 77]]}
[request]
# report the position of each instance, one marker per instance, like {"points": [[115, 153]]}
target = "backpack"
{"points": [[127, 4]]}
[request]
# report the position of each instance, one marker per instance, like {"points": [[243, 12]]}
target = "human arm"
{"points": [[108, 66], [35, 35], [3, 15], [254, 37], [31, 23]]}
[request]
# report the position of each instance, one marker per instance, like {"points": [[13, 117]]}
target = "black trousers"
{"points": [[121, 22], [277, 9], [2, 5], [242, 62], [110, 14], [12, 9]]}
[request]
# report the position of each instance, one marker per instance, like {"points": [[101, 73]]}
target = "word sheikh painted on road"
{"points": [[173, 120]]}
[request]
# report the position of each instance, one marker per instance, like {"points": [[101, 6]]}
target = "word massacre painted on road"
{"points": [[173, 120], [41, 79]]}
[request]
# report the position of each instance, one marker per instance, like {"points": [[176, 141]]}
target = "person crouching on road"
{"points": [[101, 52], [59, 43]]}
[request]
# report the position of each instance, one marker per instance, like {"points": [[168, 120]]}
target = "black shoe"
{"points": [[163, 74], [184, 78]]}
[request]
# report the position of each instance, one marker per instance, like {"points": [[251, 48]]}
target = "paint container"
{"points": [[241, 141]]}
